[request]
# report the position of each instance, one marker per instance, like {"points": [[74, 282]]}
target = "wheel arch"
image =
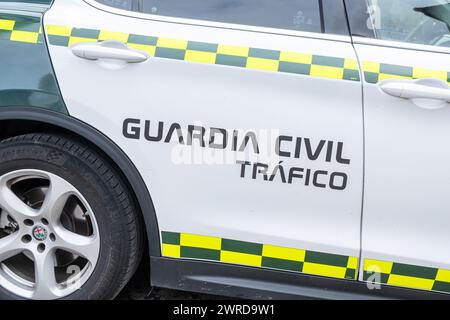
{"points": [[21, 120]]}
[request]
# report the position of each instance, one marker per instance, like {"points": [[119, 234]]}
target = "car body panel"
{"points": [[405, 236], [275, 88], [27, 78]]}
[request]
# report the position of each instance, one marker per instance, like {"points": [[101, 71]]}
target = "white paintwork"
{"points": [[213, 199], [406, 204]]}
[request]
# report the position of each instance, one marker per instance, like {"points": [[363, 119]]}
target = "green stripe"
{"points": [[202, 46], [396, 70], [5, 35], [264, 53], [441, 286], [85, 33], [170, 237], [298, 68], [169, 53], [242, 247], [329, 61], [414, 271], [134, 38], [282, 264], [375, 277], [448, 76], [228, 60], [350, 274], [371, 77], [326, 258], [27, 26], [58, 40], [200, 253], [351, 75]]}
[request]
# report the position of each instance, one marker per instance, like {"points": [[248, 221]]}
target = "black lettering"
{"points": [[175, 127], [343, 184], [131, 132], [147, 131], [212, 136], [339, 157], [309, 152], [278, 146]]}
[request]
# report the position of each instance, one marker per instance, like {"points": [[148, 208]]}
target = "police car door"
{"points": [[244, 119], [406, 62]]}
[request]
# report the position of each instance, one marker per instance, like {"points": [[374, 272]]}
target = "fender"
{"points": [[110, 149]]}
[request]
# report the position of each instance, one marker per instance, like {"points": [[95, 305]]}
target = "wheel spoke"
{"points": [[86, 246], [56, 198], [45, 287], [13, 205], [10, 246]]}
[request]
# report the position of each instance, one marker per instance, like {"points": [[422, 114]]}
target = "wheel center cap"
{"points": [[40, 233]]}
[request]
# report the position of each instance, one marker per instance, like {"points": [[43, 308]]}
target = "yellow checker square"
{"points": [[200, 56], [59, 30], [7, 24], [172, 43], [24, 36], [296, 57], [75, 40], [378, 266], [351, 64], [352, 263], [171, 250], [324, 270], [197, 241], [443, 275], [327, 72], [369, 66], [410, 282], [118, 36], [233, 50], [262, 64], [420, 73], [143, 47], [241, 258], [283, 253]]}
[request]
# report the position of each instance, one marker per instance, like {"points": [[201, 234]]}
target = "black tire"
{"points": [[119, 221]]}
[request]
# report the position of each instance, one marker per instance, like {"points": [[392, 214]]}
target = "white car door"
{"points": [[406, 218], [224, 85]]}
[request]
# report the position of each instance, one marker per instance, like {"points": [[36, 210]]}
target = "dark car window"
{"points": [[302, 15], [413, 21], [120, 4]]}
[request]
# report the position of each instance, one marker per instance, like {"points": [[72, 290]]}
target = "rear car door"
{"points": [[224, 85], [405, 56]]}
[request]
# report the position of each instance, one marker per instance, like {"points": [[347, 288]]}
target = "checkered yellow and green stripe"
{"points": [[218, 54], [406, 275], [190, 246], [375, 72], [24, 30]]}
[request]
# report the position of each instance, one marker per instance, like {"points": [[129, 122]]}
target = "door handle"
{"points": [[428, 93], [109, 49]]}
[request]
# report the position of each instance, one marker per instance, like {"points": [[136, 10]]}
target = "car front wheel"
{"points": [[69, 227]]}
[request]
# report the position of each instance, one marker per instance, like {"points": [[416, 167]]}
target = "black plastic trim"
{"points": [[257, 283], [109, 148]]}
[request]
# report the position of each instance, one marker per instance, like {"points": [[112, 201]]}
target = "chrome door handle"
{"points": [[428, 93], [109, 49]]}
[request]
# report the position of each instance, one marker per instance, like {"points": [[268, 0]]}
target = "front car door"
{"points": [[245, 124], [406, 216]]}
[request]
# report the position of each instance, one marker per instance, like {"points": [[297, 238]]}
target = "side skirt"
{"points": [[255, 283]]}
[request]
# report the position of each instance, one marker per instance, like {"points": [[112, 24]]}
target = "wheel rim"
{"points": [[49, 237]]}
